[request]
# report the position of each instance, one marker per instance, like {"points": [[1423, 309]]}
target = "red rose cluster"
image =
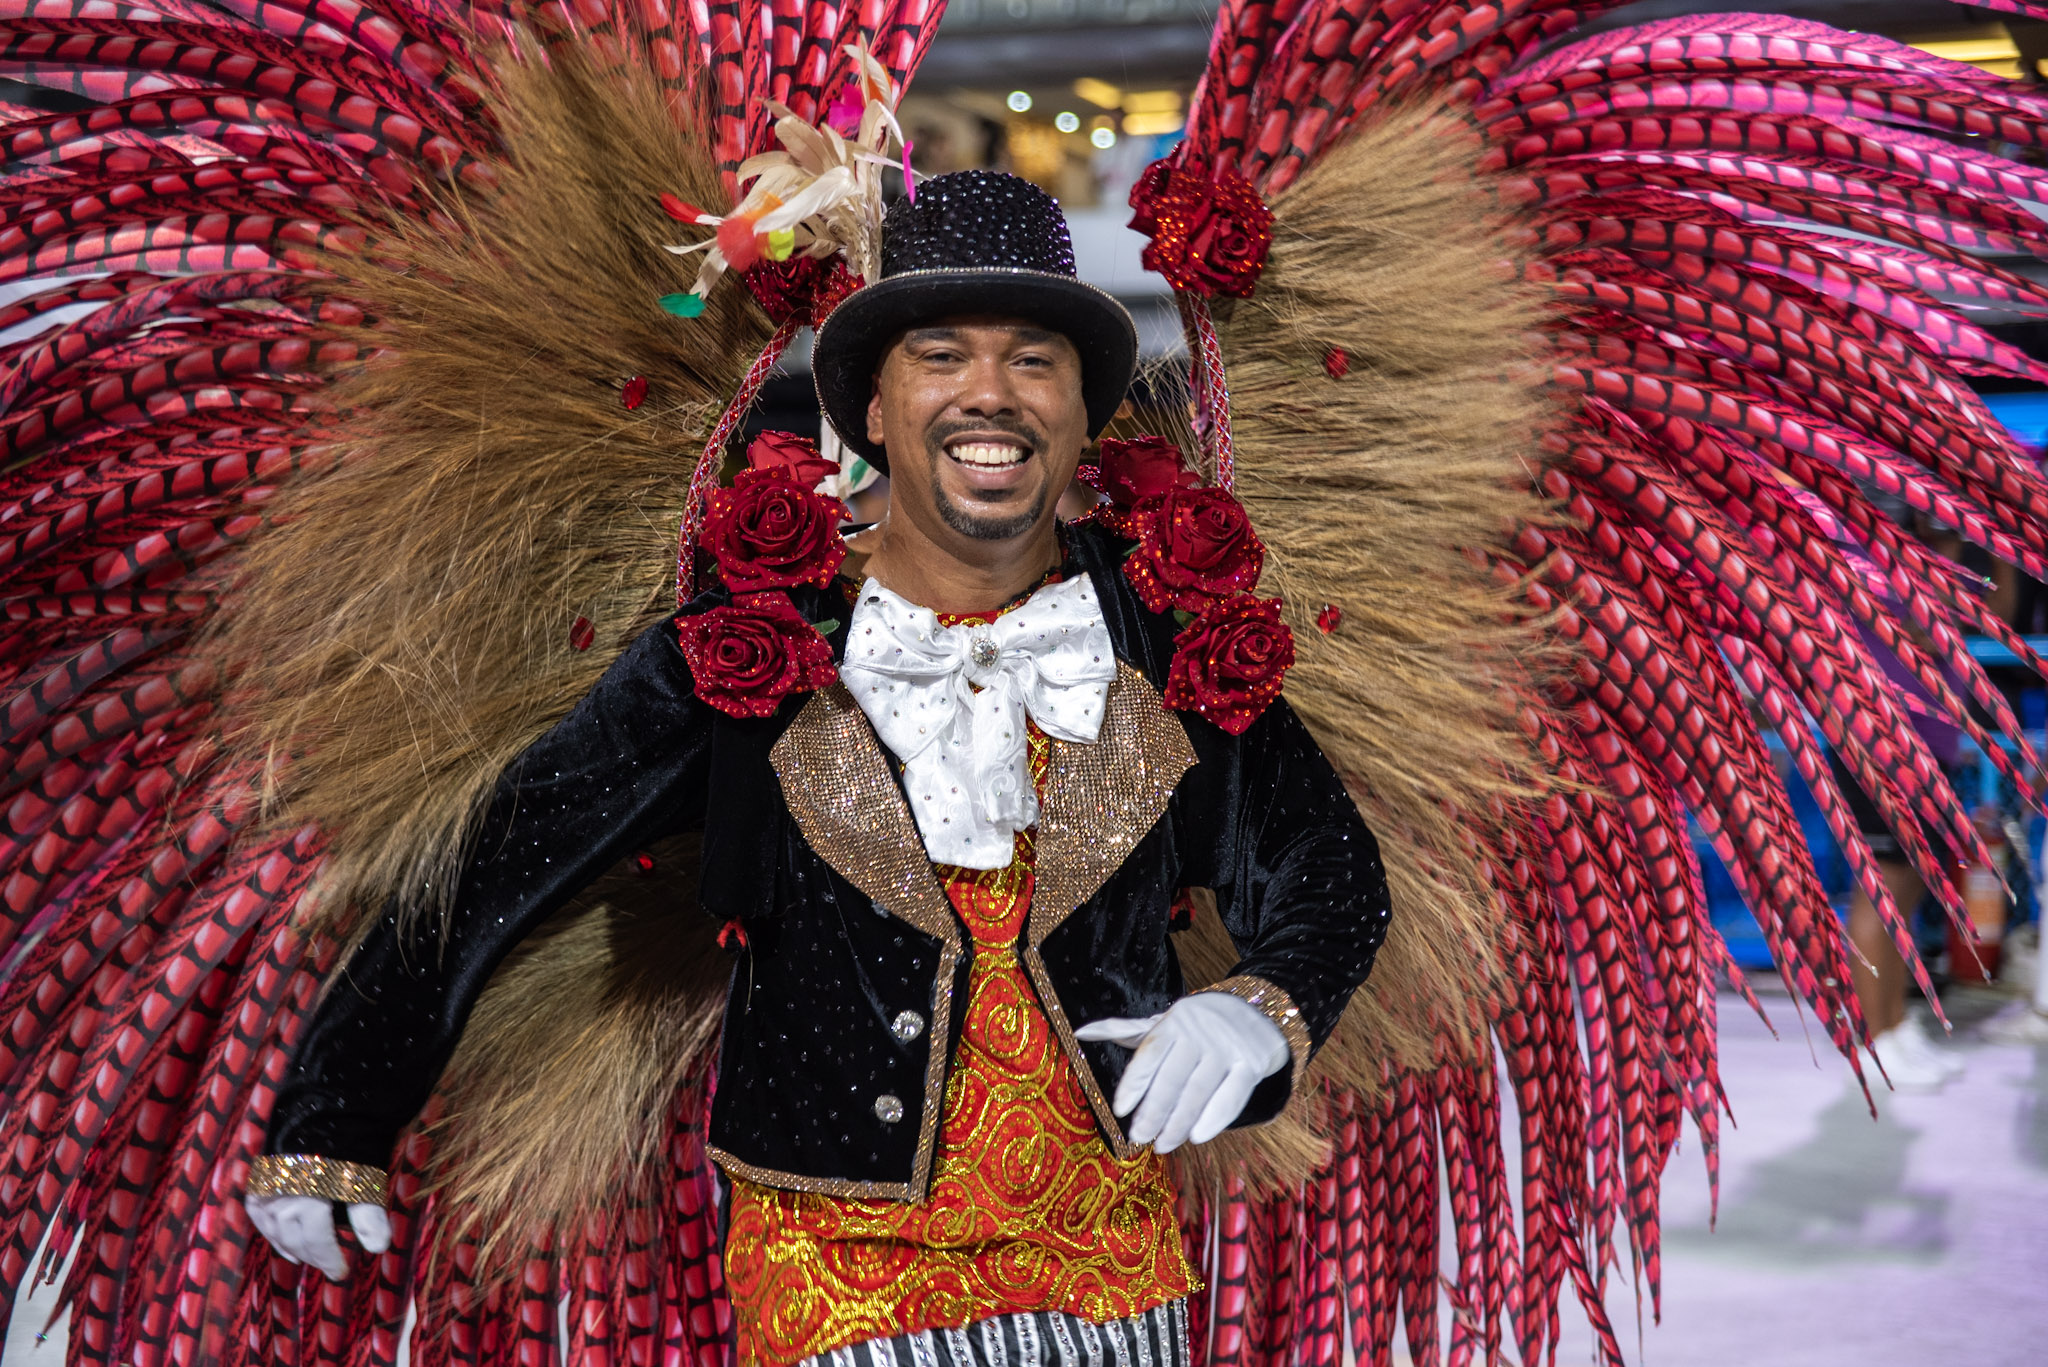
{"points": [[748, 656], [1198, 555], [769, 532], [1210, 234]]}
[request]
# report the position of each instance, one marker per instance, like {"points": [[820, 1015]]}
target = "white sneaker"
{"points": [[1908, 1068], [1913, 1037]]}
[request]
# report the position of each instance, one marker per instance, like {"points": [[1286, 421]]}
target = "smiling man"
{"points": [[991, 410], [964, 1042]]}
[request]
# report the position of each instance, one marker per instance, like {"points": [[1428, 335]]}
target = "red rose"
{"points": [[1229, 663], [791, 454], [1141, 468], [770, 532], [1209, 235], [746, 657], [1194, 546]]}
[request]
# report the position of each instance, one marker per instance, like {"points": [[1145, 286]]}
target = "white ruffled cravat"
{"points": [[950, 703]]}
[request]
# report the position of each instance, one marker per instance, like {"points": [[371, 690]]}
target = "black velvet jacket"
{"points": [[855, 966]]}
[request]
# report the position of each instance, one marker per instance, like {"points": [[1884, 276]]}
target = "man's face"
{"points": [[984, 424]]}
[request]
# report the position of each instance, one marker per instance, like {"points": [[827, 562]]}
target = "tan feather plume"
{"points": [[1372, 492], [404, 630]]}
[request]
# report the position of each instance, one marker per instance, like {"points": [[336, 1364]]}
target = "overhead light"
{"points": [[1151, 125], [1999, 49], [1105, 138], [1067, 121], [1996, 55], [1019, 101], [1152, 102], [1100, 93]]}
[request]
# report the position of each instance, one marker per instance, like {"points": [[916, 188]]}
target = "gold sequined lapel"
{"points": [[1101, 799], [836, 783]]}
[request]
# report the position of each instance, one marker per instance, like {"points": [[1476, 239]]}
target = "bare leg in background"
{"points": [[1882, 994], [1911, 1060]]}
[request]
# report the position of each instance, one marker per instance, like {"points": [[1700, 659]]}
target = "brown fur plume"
{"points": [[404, 632], [560, 1095], [1372, 492]]}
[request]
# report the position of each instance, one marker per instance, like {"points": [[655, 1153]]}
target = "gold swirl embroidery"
{"points": [[1028, 1208]]}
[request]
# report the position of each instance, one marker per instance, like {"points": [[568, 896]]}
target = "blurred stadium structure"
{"points": [[1079, 95]]}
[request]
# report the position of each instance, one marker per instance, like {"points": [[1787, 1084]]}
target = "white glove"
{"points": [[1195, 1067], [301, 1228]]}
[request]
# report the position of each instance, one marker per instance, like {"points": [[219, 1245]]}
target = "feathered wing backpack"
{"points": [[365, 459], [355, 405], [1559, 377]]}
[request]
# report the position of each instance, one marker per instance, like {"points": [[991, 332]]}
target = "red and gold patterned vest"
{"points": [[1028, 1210]]}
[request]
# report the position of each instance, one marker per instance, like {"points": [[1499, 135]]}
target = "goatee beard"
{"points": [[952, 514], [987, 528]]}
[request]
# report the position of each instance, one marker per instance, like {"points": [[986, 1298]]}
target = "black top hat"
{"points": [[972, 242]]}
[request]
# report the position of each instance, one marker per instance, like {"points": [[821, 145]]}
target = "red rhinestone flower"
{"points": [[1141, 468], [1132, 471], [749, 655], [1229, 664], [1210, 235], [769, 532], [794, 455], [800, 287], [1194, 547]]}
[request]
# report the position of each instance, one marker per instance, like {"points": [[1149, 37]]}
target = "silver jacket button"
{"points": [[907, 1026], [888, 1109]]}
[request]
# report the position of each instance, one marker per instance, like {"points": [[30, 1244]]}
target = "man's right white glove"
{"points": [[301, 1228]]}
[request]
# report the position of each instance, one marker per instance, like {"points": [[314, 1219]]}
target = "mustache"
{"points": [[938, 434]]}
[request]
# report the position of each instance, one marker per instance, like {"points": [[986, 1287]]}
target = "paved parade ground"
{"points": [[1915, 1239]]}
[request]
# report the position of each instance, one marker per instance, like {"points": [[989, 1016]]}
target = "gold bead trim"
{"points": [[1276, 1006], [816, 1186], [836, 783], [1084, 1071], [1100, 800], [306, 1174]]}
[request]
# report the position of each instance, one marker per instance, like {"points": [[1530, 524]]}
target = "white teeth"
{"points": [[988, 454]]}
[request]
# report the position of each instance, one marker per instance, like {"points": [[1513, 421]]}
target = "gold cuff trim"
{"points": [[1276, 1006], [306, 1174]]}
